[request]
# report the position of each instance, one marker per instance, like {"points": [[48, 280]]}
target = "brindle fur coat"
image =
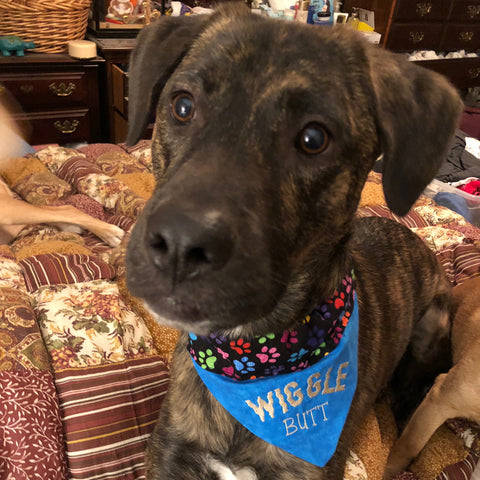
{"points": [[252, 224]]}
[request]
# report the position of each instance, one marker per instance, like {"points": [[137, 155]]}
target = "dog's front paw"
{"points": [[397, 462]]}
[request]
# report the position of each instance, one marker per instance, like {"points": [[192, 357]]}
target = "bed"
{"points": [[84, 368]]}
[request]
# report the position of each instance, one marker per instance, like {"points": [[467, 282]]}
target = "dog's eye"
{"points": [[313, 139], [182, 107]]}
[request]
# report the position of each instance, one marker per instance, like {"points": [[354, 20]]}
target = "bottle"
{"points": [[353, 19]]}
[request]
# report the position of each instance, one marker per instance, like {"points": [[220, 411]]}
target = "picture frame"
{"points": [[122, 18]]}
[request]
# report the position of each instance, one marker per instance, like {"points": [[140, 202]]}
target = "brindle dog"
{"points": [[265, 134]]}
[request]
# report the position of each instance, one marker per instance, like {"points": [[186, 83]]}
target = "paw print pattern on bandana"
{"points": [[244, 365], [268, 336], [290, 338], [296, 356], [269, 355], [315, 336], [207, 359], [240, 346]]}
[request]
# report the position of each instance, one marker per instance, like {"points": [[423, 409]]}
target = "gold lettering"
{"points": [[326, 386], [305, 424], [290, 396], [281, 400], [262, 406], [340, 376], [322, 407], [311, 414], [290, 425], [314, 387]]}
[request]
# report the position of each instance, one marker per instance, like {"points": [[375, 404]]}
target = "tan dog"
{"points": [[454, 394], [15, 213]]}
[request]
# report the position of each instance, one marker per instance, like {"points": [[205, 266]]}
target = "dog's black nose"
{"points": [[184, 247]]}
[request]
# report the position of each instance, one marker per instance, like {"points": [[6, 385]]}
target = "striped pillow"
{"points": [[58, 268], [411, 220], [460, 262], [108, 413], [77, 168]]}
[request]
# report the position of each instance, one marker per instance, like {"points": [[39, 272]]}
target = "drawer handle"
{"points": [[62, 90], [26, 88], [416, 37], [66, 126], [423, 8], [473, 11], [2, 88], [466, 36], [474, 72]]}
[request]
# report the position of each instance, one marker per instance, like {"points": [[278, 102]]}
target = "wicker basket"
{"points": [[48, 23]]}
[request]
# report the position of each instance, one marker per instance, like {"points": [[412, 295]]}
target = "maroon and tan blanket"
{"points": [[83, 367]]}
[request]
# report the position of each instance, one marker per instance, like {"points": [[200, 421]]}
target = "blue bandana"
{"points": [[302, 411]]}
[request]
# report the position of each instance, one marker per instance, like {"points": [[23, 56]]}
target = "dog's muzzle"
{"points": [[200, 263], [184, 246]]}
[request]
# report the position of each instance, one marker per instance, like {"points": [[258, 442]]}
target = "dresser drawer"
{"points": [[60, 96], [465, 11], [415, 10], [120, 88], [120, 104], [461, 37], [462, 72], [120, 129], [58, 126], [414, 36], [52, 89]]}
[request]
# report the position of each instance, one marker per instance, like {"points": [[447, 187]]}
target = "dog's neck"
{"points": [[314, 337]]}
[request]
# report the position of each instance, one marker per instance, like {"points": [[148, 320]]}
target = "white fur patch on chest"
{"points": [[226, 473]]}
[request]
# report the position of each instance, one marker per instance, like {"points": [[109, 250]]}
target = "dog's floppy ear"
{"points": [[417, 113], [159, 49]]}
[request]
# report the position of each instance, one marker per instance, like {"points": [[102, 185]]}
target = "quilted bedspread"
{"points": [[84, 368], [82, 377]]}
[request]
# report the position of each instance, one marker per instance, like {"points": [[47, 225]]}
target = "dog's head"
{"points": [[265, 133]]}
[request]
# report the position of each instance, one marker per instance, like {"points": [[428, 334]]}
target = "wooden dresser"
{"points": [[59, 96], [440, 25], [116, 52]]}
